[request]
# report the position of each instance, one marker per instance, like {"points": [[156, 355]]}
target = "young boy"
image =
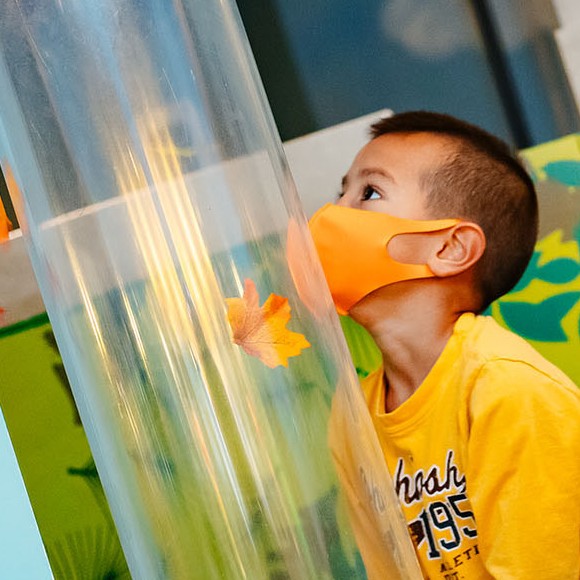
{"points": [[481, 435]]}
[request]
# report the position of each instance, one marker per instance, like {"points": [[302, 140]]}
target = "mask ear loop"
{"points": [[415, 245]]}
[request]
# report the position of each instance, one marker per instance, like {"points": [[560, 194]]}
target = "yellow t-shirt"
{"points": [[485, 459]]}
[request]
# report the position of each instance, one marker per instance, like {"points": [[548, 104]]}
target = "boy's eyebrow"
{"points": [[376, 171], [366, 173]]}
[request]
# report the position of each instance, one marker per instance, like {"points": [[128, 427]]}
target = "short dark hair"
{"points": [[482, 180]]}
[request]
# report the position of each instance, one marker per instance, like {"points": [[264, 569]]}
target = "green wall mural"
{"points": [[544, 307], [53, 454]]}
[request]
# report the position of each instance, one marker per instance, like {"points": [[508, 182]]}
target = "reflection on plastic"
{"points": [[154, 186]]}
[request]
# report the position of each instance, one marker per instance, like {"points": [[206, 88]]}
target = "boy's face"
{"points": [[386, 174], [362, 252]]}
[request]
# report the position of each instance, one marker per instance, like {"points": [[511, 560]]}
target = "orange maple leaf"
{"points": [[261, 330]]}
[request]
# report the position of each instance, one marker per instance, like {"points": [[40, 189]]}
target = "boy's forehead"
{"points": [[411, 152]]}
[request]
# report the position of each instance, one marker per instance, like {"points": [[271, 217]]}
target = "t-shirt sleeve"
{"points": [[524, 472]]}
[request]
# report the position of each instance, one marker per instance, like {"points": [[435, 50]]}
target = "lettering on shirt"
{"points": [[446, 520], [410, 489]]}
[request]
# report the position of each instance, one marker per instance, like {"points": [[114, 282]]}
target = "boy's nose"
{"points": [[346, 200]]}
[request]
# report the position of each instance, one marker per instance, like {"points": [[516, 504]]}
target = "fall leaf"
{"points": [[261, 330]]}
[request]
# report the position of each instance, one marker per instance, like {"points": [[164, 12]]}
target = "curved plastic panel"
{"points": [[157, 203]]}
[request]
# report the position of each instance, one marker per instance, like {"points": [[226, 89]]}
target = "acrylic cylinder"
{"points": [[155, 198]]}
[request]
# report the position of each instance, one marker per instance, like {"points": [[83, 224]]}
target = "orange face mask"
{"points": [[352, 246]]}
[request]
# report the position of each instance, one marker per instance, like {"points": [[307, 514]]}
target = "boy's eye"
{"points": [[370, 193]]}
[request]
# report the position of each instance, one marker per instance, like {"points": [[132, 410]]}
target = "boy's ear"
{"points": [[459, 249]]}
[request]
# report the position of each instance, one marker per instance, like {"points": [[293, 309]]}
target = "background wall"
{"points": [[568, 37], [492, 62]]}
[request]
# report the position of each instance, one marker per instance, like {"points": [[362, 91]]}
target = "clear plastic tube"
{"points": [[157, 203]]}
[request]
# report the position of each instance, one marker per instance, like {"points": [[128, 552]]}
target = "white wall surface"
{"points": [[319, 160], [22, 555], [568, 39]]}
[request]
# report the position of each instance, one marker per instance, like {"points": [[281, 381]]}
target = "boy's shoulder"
{"points": [[486, 363], [504, 363]]}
